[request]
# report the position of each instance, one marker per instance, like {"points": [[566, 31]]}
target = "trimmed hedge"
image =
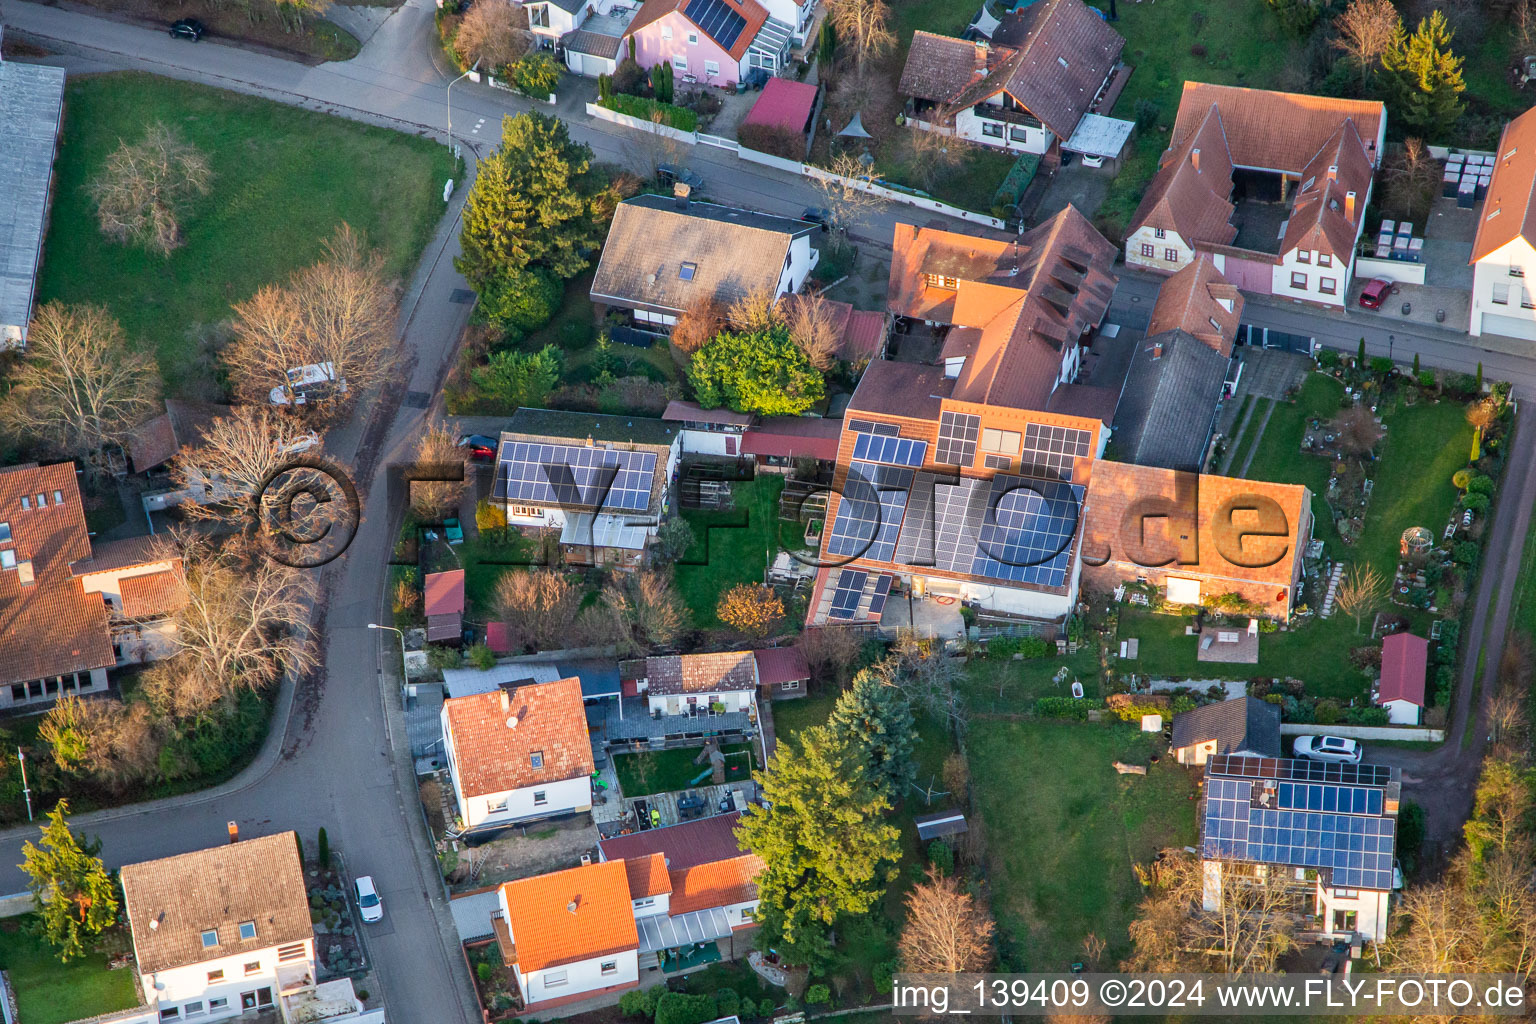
{"points": [[1029, 646], [642, 107], [1067, 707]]}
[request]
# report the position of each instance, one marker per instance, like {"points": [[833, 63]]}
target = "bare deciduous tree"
{"points": [[339, 311], [144, 188], [928, 677], [1365, 30], [77, 386], [831, 652], [538, 607], [245, 623], [113, 743], [237, 455], [754, 311], [1361, 592], [1483, 414], [864, 26], [438, 448], [947, 931], [933, 155], [660, 615], [1357, 431], [1247, 932], [1412, 178], [492, 35], [845, 202], [813, 326], [698, 325]]}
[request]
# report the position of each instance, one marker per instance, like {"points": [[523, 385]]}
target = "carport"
{"points": [[1101, 138]]}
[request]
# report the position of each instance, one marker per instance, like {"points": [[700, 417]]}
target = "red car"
{"points": [[1375, 293]]}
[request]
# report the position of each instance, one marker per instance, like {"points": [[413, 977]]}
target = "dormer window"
{"points": [[1213, 323], [247, 929], [58, 497], [536, 759], [210, 938]]}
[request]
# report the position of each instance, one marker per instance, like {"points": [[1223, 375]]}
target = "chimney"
{"points": [[681, 190], [981, 55], [1349, 207], [1194, 158], [1333, 172], [1157, 349], [234, 832], [506, 701]]}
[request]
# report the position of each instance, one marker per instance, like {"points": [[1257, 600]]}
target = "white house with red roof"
{"points": [[1404, 661], [1504, 251]]}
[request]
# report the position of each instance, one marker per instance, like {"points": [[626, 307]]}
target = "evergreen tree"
{"points": [[71, 889], [1360, 355], [1423, 77], [1415, 365], [828, 849], [876, 717]]}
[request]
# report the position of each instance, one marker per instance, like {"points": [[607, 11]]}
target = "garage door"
{"points": [[593, 66], [1183, 591], [1509, 326]]}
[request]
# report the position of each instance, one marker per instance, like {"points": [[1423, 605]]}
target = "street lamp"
{"points": [[1391, 338], [21, 759], [473, 68], [392, 629]]}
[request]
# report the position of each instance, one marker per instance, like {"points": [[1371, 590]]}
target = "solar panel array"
{"points": [[871, 427], [575, 476], [882, 591], [1355, 848], [1299, 770], [1054, 448], [1296, 796], [850, 587], [718, 21], [957, 438], [870, 514], [896, 451]]}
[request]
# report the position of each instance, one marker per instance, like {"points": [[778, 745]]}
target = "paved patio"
{"points": [[629, 719]]}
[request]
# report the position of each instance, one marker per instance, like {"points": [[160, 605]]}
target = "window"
{"points": [[254, 967], [649, 901], [214, 976], [1525, 299], [58, 497], [1344, 920], [170, 1013], [992, 129], [1298, 280], [495, 806], [997, 461], [293, 952], [18, 691], [1324, 260], [526, 511], [686, 271], [1215, 326], [1327, 285], [693, 39], [1500, 298], [748, 914], [1171, 255], [210, 938], [194, 1009], [540, 798], [1018, 134], [1303, 255], [1009, 442], [5, 532], [1159, 233], [247, 929], [217, 1004], [42, 501], [609, 967], [538, 16], [26, 502], [536, 759], [712, 67], [680, 63], [1149, 251], [1346, 894], [1516, 271], [790, 684], [666, 31], [554, 979]]}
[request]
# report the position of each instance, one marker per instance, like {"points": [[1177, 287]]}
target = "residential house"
{"points": [[1404, 661], [662, 255], [694, 684], [1504, 250], [1047, 65], [772, 442], [1329, 831], [1196, 538], [73, 612], [713, 42], [518, 753], [782, 672], [225, 931], [443, 605], [1179, 373], [1240, 725], [29, 134], [961, 480], [603, 481], [1272, 185]]}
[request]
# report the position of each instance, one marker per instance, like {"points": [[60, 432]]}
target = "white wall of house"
{"points": [[711, 442], [1143, 248], [567, 796], [678, 703], [1195, 753], [1032, 603], [109, 583], [535, 515], [652, 906], [1368, 905], [1402, 712], [741, 915], [1016, 138], [41, 691], [802, 259], [1504, 292], [1311, 275], [549, 21], [215, 988], [573, 979]]}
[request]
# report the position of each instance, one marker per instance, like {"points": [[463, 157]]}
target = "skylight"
{"points": [[686, 271], [210, 937], [247, 929], [536, 758]]}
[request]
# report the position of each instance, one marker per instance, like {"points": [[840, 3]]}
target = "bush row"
{"points": [[645, 108]]}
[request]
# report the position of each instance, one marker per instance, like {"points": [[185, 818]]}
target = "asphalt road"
{"points": [[338, 763]]}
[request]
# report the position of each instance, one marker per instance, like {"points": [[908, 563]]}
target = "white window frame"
{"points": [[1516, 271], [680, 62], [526, 511], [790, 685], [253, 968], [194, 1008], [170, 1013], [209, 943], [243, 925], [608, 967], [712, 68], [1501, 294], [540, 798], [1159, 232], [495, 806], [215, 976], [693, 39], [991, 129], [666, 31], [218, 1004], [554, 979]]}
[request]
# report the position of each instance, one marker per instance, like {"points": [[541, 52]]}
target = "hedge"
{"points": [[1067, 707], [642, 107], [1029, 646], [681, 1008]]}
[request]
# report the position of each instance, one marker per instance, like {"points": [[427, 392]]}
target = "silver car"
{"points": [[1328, 748], [368, 902]]}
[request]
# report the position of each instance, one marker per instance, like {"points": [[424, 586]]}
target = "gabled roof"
{"points": [[939, 67], [792, 437], [731, 24], [491, 755], [49, 626], [1403, 660], [701, 673], [647, 876], [1190, 194], [1196, 300], [1509, 211], [171, 902], [444, 592], [152, 594], [1321, 214], [122, 553], [31, 103], [1278, 131], [655, 240], [565, 916], [715, 884], [155, 441], [701, 841], [777, 665], [785, 103], [1168, 405], [1242, 723]]}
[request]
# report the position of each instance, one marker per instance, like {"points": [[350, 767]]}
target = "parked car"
{"points": [[188, 28], [818, 215], [368, 903], [1328, 748], [307, 384], [670, 174], [1375, 293], [479, 446], [1092, 161]]}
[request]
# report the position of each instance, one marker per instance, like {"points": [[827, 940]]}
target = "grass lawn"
{"points": [[792, 717], [1063, 830], [667, 771], [283, 180], [50, 992], [970, 185], [1004, 685], [1250, 436], [730, 548]]}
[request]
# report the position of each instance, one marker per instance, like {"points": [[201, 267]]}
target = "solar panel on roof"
{"points": [[882, 591], [575, 476], [1299, 769], [1054, 450], [957, 438], [1027, 534], [850, 587], [718, 21], [870, 514], [896, 451]]}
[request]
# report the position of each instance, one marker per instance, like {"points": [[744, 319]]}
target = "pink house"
{"points": [[709, 42]]}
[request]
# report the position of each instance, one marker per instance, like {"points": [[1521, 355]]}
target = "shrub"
{"points": [[682, 1008], [633, 1004], [1029, 646], [1465, 553], [536, 75], [942, 856], [483, 971], [775, 140], [727, 1002], [604, 88], [766, 1007], [630, 79], [1328, 359], [323, 856], [1326, 712], [489, 518], [1365, 716], [1481, 485], [443, 657], [1066, 707], [643, 107], [818, 994], [1461, 479], [1427, 380], [1464, 384], [482, 657], [1381, 365], [662, 82], [1476, 502], [884, 973], [1146, 114], [523, 300]]}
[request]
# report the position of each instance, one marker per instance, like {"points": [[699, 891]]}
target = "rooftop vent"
{"points": [[571, 907], [511, 721]]}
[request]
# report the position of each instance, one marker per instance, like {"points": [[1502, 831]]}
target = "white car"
{"points": [[317, 380], [368, 902], [1328, 748]]}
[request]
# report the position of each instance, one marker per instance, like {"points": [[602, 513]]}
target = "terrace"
{"points": [[629, 720]]}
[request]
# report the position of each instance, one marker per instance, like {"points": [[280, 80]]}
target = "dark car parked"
{"points": [[669, 174], [818, 215], [188, 28], [479, 446]]}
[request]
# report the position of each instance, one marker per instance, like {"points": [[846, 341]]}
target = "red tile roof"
{"points": [[793, 436], [120, 554], [1509, 212], [654, 10], [565, 916], [700, 673], [445, 592], [647, 876], [152, 594], [715, 884], [785, 103], [701, 841], [1195, 300], [1279, 131], [496, 637], [50, 626], [1324, 216], [490, 756], [1403, 660], [777, 665], [1190, 194]]}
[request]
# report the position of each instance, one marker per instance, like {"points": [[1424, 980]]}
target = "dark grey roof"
{"points": [[31, 102], [940, 823], [578, 426], [569, 6], [595, 43], [1242, 723], [1167, 408]]}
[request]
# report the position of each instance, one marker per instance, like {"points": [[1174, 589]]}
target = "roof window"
{"points": [[536, 759], [247, 929], [7, 559], [687, 270], [26, 502], [5, 533], [210, 938], [58, 497], [42, 501]]}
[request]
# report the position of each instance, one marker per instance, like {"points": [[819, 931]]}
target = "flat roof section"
{"points": [[31, 108]]}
